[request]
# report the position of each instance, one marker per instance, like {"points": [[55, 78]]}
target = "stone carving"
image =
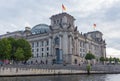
{"points": [[51, 28], [64, 19], [69, 26], [61, 25], [75, 28]]}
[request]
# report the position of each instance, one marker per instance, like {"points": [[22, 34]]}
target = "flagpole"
{"points": [[63, 8], [94, 26]]}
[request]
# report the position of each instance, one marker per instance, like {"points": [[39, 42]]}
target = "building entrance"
{"points": [[59, 56]]}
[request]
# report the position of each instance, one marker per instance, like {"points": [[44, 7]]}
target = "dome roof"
{"points": [[40, 29]]}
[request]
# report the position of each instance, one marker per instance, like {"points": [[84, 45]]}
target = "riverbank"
{"points": [[49, 70], [25, 75]]}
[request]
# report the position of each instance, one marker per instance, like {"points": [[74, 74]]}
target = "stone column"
{"points": [[44, 47], [40, 52], [77, 46], [52, 49], [60, 46], [60, 49], [50, 46], [65, 43], [104, 51], [70, 45]]}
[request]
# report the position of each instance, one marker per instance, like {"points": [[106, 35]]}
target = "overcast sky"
{"points": [[16, 14]]}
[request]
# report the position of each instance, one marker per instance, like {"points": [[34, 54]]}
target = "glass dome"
{"points": [[40, 29]]}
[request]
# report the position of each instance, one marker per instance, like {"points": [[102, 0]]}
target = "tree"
{"points": [[102, 59], [5, 49], [22, 43], [106, 59], [89, 56], [13, 46], [19, 54], [110, 59], [88, 67], [13, 49], [116, 60]]}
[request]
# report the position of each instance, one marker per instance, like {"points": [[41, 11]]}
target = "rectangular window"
{"points": [[47, 42], [83, 44], [54, 22], [80, 44], [81, 50], [42, 49], [42, 54], [37, 55], [33, 44], [57, 21], [47, 48], [42, 43], [37, 49], [81, 54], [37, 44], [47, 54]]}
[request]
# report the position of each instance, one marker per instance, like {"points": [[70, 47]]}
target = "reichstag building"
{"points": [[60, 42]]}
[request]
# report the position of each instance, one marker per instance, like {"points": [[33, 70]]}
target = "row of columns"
{"points": [[51, 49]]}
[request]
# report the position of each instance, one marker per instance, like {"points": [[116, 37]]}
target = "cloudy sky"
{"points": [[16, 14]]}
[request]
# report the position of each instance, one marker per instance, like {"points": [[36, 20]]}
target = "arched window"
{"points": [[57, 41]]}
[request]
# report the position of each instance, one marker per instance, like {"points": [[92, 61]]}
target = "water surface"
{"points": [[93, 77]]}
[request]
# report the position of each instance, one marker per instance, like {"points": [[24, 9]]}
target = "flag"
{"points": [[94, 25], [63, 8]]}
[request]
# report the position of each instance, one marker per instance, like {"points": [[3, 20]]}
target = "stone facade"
{"points": [[61, 42]]}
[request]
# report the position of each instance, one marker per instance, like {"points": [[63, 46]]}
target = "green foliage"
{"points": [[106, 59], [111, 59], [13, 49], [102, 59], [22, 43], [19, 54], [5, 49], [88, 67], [116, 60], [89, 56]]}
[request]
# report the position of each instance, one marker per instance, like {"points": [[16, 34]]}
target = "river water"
{"points": [[93, 77]]}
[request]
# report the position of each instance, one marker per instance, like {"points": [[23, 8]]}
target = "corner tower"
{"points": [[62, 20]]}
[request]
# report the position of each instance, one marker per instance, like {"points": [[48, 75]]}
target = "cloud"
{"points": [[105, 13], [113, 52], [13, 25]]}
